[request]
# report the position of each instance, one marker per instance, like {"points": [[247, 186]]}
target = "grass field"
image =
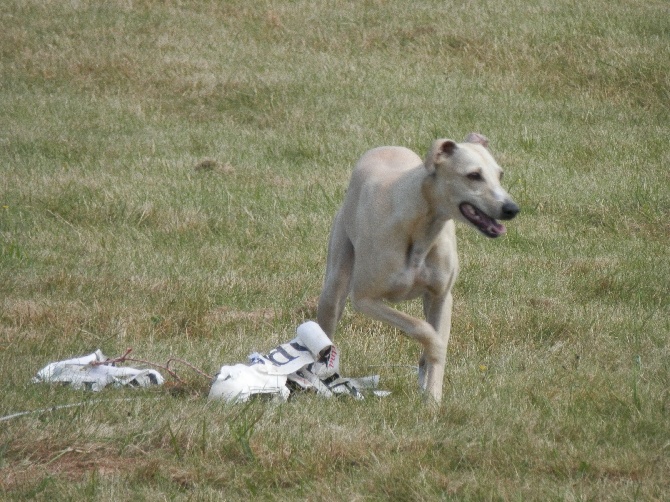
{"points": [[168, 175]]}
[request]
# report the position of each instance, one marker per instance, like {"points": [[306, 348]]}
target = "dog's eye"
{"points": [[501, 176], [475, 176]]}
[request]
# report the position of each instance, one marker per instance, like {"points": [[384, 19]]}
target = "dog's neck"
{"points": [[424, 221], [436, 213], [416, 184]]}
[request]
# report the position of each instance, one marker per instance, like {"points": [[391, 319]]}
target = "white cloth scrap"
{"points": [[240, 381], [83, 373], [308, 362]]}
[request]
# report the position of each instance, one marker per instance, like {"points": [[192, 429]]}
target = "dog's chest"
{"points": [[422, 272]]}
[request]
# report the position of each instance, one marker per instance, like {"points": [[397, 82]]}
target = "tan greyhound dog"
{"points": [[393, 239]]}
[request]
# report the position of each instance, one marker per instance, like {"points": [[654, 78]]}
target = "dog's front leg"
{"points": [[434, 345], [437, 310]]}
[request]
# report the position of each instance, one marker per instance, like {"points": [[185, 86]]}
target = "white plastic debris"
{"points": [[308, 362], [240, 382], [89, 372]]}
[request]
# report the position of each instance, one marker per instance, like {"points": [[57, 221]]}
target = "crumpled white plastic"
{"points": [[309, 361], [240, 381], [82, 373]]}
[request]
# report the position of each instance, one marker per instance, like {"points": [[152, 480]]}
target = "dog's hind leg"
{"points": [[336, 285]]}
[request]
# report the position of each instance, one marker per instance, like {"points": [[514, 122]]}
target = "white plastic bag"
{"points": [[89, 373], [308, 362]]}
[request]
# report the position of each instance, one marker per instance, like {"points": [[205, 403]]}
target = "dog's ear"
{"points": [[480, 139], [441, 147], [446, 147]]}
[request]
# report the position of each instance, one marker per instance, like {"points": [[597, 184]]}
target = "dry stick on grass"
{"points": [[124, 358], [186, 363]]}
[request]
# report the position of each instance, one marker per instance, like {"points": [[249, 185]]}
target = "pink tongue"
{"points": [[483, 220], [497, 228]]}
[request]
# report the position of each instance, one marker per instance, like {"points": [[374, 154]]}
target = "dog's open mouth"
{"points": [[484, 223]]}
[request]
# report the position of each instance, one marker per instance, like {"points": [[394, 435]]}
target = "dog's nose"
{"points": [[509, 210]]}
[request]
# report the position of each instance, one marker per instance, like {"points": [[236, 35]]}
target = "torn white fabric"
{"points": [[240, 382], [84, 373], [308, 362]]}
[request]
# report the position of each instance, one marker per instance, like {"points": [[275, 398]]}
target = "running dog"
{"points": [[393, 239]]}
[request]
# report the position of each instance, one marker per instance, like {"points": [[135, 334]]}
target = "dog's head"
{"points": [[464, 182]]}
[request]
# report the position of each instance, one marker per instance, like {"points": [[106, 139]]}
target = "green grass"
{"points": [[168, 175]]}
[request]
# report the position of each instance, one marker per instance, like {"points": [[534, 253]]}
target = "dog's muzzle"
{"points": [[509, 210], [484, 223]]}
